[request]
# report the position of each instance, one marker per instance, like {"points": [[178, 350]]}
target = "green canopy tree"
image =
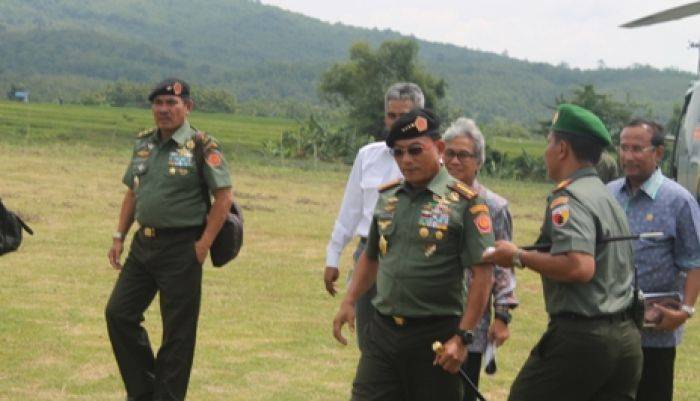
{"points": [[613, 113], [360, 83]]}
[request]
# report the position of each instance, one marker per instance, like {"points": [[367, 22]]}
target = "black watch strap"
{"points": [[503, 315], [467, 336]]}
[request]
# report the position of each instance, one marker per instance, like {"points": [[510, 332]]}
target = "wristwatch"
{"points": [[688, 309], [118, 235], [467, 336], [516, 259]]}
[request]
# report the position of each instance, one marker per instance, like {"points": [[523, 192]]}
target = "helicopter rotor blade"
{"points": [[667, 15]]}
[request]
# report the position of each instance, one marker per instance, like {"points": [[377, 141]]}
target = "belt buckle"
{"points": [[399, 320], [149, 232]]}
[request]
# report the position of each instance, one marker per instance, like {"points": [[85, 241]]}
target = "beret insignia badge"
{"points": [[177, 88], [421, 124]]}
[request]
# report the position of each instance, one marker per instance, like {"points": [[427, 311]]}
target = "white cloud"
{"points": [[576, 32]]}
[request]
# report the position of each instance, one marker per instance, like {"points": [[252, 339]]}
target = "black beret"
{"points": [[170, 86], [417, 122]]}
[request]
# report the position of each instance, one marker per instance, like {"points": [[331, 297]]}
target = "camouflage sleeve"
{"points": [[504, 287]]}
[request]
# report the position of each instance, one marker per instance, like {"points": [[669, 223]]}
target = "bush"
{"points": [[313, 140]]}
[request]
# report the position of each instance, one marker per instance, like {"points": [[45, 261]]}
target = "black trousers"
{"points": [[396, 363], [472, 367], [582, 361], [167, 265], [657, 375]]}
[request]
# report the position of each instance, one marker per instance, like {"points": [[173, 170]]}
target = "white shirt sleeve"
{"points": [[349, 215]]}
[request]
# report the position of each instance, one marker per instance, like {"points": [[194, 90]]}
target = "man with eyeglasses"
{"points": [[373, 166], [653, 202], [465, 152], [426, 230]]}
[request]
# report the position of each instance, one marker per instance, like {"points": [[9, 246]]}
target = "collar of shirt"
{"points": [[436, 185], [180, 136], [651, 185], [582, 172]]}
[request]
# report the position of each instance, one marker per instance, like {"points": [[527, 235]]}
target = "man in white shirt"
{"points": [[373, 166]]}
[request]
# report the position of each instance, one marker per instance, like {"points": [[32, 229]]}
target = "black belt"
{"points": [[575, 317], [153, 232], [403, 321]]}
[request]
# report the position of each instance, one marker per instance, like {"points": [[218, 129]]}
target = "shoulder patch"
{"points": [[389, 185], [561, 200], [146, 132], [462, 189]]}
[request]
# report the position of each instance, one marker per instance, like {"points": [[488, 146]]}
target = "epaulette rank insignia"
{"points": [[563, 184], [389, 185], [146, 132], [462, 189]]}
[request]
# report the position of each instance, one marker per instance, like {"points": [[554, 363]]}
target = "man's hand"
{"points": [[330, 276], [502, 254], [346, 314], [201, 249], [453, 354], [671, 319], [498, 332], [115, 253]]}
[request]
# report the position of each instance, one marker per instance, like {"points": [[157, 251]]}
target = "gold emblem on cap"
{"points": [[421, 124], [383, 245], [424, 232]]}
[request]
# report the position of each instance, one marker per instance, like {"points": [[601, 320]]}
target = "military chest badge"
{"points": [[423, 232], [430, 250], [383, 224], [560, 215], [143, 153]]}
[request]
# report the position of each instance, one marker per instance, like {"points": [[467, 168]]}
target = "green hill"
{"points": [[64, 48]]}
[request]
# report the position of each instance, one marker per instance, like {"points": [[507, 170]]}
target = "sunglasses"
{"points": [[413, 151]]}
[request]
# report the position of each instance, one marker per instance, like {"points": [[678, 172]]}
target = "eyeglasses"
{"points": [[635, 149], [462, 155], [413, 151]]}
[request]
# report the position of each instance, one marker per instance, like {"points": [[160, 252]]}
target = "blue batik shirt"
{"points": [[662, 205]]}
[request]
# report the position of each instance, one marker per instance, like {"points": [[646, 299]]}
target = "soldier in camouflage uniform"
{"points": [[425, 232], [170, 166]]}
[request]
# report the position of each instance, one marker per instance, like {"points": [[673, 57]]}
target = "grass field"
{"points": [[265, 327]]}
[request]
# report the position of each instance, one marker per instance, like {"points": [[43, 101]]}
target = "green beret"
{"points": [[170, 86], [417, 122], [577, 120]]}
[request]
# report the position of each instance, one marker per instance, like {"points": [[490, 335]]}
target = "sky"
{"points": [[578, 33]]}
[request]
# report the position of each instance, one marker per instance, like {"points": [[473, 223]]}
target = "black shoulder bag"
{"points": [[11, 226], [229, 240]]}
